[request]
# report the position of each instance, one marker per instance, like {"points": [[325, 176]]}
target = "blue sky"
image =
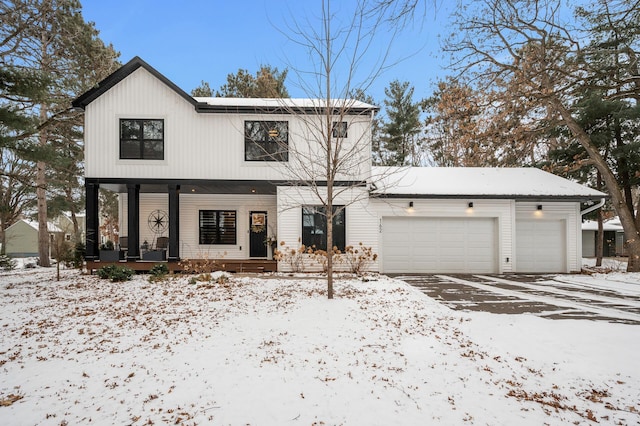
{"points": [[193, 40]]}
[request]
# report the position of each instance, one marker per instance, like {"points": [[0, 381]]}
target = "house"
{"points": [[613, 238], [65, 223], [22, 238], [213, 177]]}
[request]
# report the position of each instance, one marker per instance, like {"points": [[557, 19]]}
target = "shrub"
{"points": [[158, 272], [207, 278], [107, 245], [203, 265], [79, 252], [115, 273], [7, 263], [359, 258], [320, 256], [293, 257]]}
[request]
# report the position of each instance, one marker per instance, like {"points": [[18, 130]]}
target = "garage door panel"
{"points": [[439, 245], [540, 246]]}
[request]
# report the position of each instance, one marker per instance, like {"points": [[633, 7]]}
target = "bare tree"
{"points": [[526, 47], [331, 156], [16, 192]]}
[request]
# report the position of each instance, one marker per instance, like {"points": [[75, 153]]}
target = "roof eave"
{"points": [[203, 107], [518, 197]]}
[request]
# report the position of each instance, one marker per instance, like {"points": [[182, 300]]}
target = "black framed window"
{"points": [[266, 141], [141, 139], [314, 227], [339, 129], [217, 226]]}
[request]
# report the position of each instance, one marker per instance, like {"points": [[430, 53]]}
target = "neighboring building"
{"points": [[189, 169], [65, 223], [613, 238], [22, 238]]}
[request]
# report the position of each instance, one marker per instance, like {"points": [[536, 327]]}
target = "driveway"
{"points": [[549, 296]]}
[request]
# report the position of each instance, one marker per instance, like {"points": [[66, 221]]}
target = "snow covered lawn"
{"points": [[274, 351]]}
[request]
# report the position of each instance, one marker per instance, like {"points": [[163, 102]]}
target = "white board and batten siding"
{"points": [[548, 240], [361, 221], [445, 236], [196, 145], [190, 205]]}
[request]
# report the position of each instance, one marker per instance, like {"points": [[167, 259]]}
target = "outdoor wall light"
{"points": [[471, 205], [539, 206], [410, 204]]}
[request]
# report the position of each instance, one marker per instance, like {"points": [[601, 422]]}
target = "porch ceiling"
{"points": [[190, 186]]}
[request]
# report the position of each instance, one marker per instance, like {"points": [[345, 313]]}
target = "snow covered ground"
{"points": [[275, 351]]}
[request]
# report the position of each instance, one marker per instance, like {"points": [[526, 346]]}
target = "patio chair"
{"points": [[124, 245]]}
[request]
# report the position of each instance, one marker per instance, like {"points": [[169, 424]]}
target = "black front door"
{"points": [[257, 234]]}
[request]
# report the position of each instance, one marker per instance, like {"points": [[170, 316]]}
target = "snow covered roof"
{"points": [[281, 105], [32, 223], [610, 225], [478, 182], [51, 226], [287, 102]]}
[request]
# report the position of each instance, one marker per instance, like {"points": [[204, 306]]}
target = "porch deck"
{"points": [[235, 265]]}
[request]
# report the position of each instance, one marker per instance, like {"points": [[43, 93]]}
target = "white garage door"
{"points": [[439, 245], [540, 246]]}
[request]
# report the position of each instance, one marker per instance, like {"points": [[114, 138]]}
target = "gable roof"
{"points": [[51, 227], [477, 182], [225, 105], [120, 74]]}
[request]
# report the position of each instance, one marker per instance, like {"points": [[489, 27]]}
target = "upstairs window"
{"points": [[314, 227], [339, 129], [217, 227], [141, 139], [266, 141]]}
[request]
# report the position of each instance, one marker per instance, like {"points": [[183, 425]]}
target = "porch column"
{"points": [[92, 235], [133, 221], [174, 222]]}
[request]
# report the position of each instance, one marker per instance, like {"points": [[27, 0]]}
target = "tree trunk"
{"points": [[619, 203], [599, 240], [43, 231], [3, 238], [41, 196]]}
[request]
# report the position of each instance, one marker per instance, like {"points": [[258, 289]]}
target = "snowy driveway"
{"points": [[613, 298]]}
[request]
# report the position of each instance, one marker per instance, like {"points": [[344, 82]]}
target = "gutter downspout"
{"points": [[592, 208]]}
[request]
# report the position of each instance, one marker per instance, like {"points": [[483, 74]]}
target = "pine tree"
{"points": [[401, 130], [267, 83], [202, 91], [51, 38]]}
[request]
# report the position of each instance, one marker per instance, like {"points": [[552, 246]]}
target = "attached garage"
{"points": [[478, 220], [541, 246], [439, 245]]}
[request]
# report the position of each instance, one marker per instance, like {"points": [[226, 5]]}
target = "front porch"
{"points": [[186, 219], [234, 265]]}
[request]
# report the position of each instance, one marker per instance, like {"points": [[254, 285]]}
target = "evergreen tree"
{"points": [[51, 38], [401, 130], [202, 91], [267, 83]]}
